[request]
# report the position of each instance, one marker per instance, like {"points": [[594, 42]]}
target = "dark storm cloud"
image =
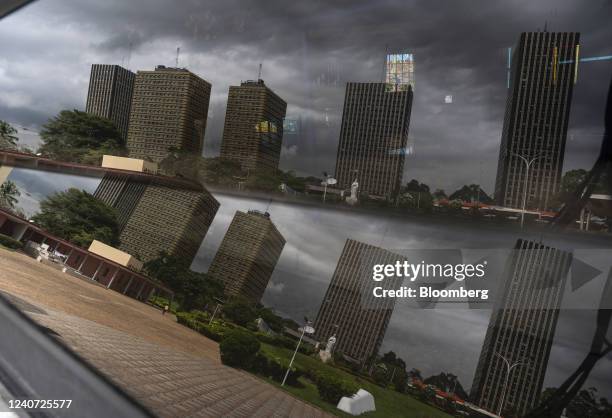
{"points": [[309, 50]]}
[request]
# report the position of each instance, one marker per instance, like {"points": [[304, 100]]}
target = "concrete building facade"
{"points": [[543, 73], [253, 130], [373, 138], [110, 94], [248, 255], [155, 217], [358, 321], [521, 329], [169, 111]]}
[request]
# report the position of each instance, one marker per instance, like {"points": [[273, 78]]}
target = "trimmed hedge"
{"points": [[332, 388], [238, 348], [9, 242], [275, 368], [215, 331]]}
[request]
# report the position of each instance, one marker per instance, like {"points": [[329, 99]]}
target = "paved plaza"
{"points": [[170, 369]]}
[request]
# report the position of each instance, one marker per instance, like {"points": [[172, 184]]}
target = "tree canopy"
{"points": [[448, 382], [471, 193], [78, 217], [8, 137], [587, 403], [193, 290], [81, 137], [415, 186], [228, 173], [439, 194], [240, 311], [8, 195]]}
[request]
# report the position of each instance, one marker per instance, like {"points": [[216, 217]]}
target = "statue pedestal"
{"points": [[325, 356]]}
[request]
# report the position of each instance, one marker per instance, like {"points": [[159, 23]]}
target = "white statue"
{"points": [[330, 344], [326, 355], [352, 199]]}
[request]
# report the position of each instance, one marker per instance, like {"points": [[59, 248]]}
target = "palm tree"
{"points": [[7, 133], [8, 195]]}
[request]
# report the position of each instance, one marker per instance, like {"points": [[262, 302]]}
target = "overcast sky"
{"points": [[445, 339], [309, 50]]}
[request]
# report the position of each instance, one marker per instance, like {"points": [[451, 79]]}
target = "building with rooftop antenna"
{"points": [[253, 130], [169, 112]]}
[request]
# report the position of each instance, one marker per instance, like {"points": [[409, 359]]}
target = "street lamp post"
{"points": [[509, 368], [527, 165], [305, 329], [219, 303]]}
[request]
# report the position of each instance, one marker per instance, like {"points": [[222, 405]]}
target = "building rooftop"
{"points": [[259, 213], [164, 68], [259, 82]]}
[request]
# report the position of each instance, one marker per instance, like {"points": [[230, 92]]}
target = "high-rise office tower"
{"points": [[399, 72], [169, 111], [158, 215], [110, 94], [247, 255], [542, 76], [373, 138], [253, 131], [521, 329], [348, 312]]}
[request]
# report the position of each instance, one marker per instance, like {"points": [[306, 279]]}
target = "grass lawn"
{"points": [[389, 403]]}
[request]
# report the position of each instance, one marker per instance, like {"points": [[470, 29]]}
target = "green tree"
{"points": [[211, 171], [471, 193], [193, 290], [8, 139], [586, 403], [415, 195], [570, 182], [8, 195], [78, 217], [77, 136], [439, 194], [240, 311], [275, 322], [414, 186], [415, 374]]}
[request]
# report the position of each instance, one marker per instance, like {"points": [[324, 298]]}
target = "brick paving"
{"points": [[170, 369]]}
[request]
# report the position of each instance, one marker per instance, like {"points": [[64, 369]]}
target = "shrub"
{"points": [[9, 242], [332, 388], [275, 368], [238, 348], [215, 331], [200, 316], [260, 364]]}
